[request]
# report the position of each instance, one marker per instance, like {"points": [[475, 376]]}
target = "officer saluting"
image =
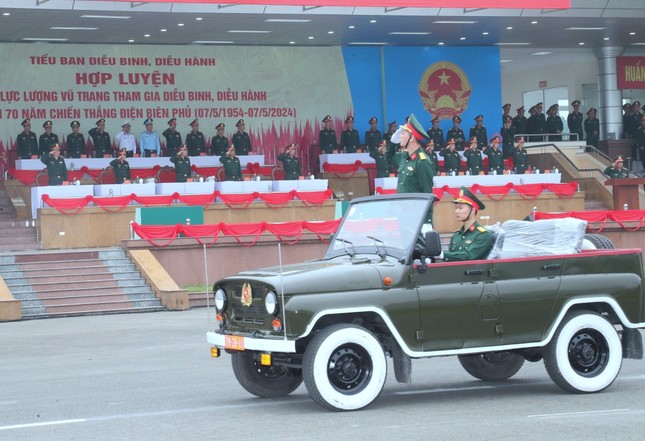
{"points": [[219, 142], [75, 141], [451, 158], [241, 139], [327, 137], [195, 141], [616, 170], [495, 157], [27, 143], [473, 157], [173, 138], [56, 168], [121, 167], [231, 164], [100, 139], [182, 164], [290, 163], [47, 140]]}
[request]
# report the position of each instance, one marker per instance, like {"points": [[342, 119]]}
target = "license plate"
{"points": [[234, 342]]}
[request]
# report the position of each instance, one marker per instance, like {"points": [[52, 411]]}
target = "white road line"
{"points": [[566, 414], [447, 389], [45, 423]]}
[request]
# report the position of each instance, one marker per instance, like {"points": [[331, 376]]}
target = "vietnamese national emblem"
{"points": [[247, 295], [445, 90]]}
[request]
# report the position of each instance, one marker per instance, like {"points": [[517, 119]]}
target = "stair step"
{"points": [[63, 265], [64, 285], [27, 246], [18, 237], [90, 299], [198, 299], [21, 292], [93, 312], [18, 274]]}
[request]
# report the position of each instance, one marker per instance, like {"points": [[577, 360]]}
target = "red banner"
{"points": [[486, 4], [630, 72]]}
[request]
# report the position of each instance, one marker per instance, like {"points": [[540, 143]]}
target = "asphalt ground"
{"points": [[151, 377]]}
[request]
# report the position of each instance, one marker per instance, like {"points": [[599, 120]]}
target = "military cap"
{"points": [[147, 121], [125, 123], [591, 110], [472, 140], [450, 141], [100, 122], [479, 118], [520, 109], [220, 126], [183, 148], [519, 140], [393, 123], [327, 118], [415, 128], [54, 147], [506, 106], [508, 118], [122, 151], [532, 109], [230, 147], [172, 121], [350, 118], [467, 197], [75, 124], [47, 123], [436, 118], [494, 139], [540, 104], [636, 102], [194, 122], [239, 123], [456, 118], [430, 141], [627, 106], [553, 107], [575, 103], [618, 158], [291, 146], [372, 120]]}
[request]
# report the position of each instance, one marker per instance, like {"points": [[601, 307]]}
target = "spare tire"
{"points": [[599, 242]]}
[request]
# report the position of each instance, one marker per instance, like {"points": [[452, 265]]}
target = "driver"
{"points": [[471, 241]]}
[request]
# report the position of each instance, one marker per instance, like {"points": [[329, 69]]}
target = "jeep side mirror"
{"points": [[433, 244]]}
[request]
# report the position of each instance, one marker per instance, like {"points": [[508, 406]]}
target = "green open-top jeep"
{"points": [[378, 292]]}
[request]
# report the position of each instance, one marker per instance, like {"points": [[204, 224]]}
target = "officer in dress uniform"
{"points": [[592, 128], [241, 139], [391, 129], [635, 117], [506, 112], [508, 136], [479, 132], [574, 120], [195, 142], [383, 166], [451, 158], [121, 167], [471, 241], [149, 140], [456, 133], [639, 135], [436, 134], [349, 141], [56, 168], [495, 157], [520, 122], [47, 140], [219, 142], [520, 157], [553, 124], [231, 164], [432, 156], [473, 156], [100, 139], [290, 163], [75, 141], [616, 170], [126, 140], [327, 137], [182, 164], [536, 124], [27, 143], [415, 172], [373, 136], [173, 138], [627, 122]]}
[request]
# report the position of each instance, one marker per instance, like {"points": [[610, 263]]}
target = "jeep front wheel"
{"points": [[492, 366], [344, 367], [264, 381], [585, 354]]}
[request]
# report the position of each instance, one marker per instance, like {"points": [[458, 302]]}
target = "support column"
{"points": [[610, 110]]}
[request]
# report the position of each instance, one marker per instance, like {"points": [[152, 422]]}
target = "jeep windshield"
{"points": [[379, 226]]}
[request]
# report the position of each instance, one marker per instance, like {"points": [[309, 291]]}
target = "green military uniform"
{"points": [[520, 123], [383, 166], [472, 243], [495, 160], [349, 140], [508, 139], [474, 161], [614, 173], [121, 170], [451, 160], [520, 161], [27, 144], [372, 139], [391, 129], [592, 129], [241, 141], [219, 144], [100, 140], [536, 125], [173, 139], [479, 132], [436, 135], [327, 138], [554, 125], [56, 169], [182, 167], [574, 122], [458, 135], [195, 143], [291, 166], [232, 168], [432, 156], [75, 142], [45, 143]]}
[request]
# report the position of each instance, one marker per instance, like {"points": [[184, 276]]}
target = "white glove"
{"points": [[440, 256], [396, 137]]}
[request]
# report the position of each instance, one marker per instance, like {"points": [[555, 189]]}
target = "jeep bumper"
{"points": [[240, 343]]}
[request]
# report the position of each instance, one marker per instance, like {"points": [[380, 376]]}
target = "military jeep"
{"points": [[379, 293]]}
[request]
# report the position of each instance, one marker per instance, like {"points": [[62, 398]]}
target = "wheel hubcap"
{"points": [[588, 353], [349, 369]]}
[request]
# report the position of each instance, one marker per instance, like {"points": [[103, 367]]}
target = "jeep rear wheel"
{"points": [[264, 381], [492, 366], [585, 354], [344, 367]]}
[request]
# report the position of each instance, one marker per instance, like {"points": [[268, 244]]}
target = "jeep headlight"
{"points": [[220, 300], [271, 303]]}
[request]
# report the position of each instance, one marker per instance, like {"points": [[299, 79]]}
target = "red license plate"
{"points": [[234, 342]]}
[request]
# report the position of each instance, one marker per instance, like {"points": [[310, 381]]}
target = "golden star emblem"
{"points": [[444, 78]]}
